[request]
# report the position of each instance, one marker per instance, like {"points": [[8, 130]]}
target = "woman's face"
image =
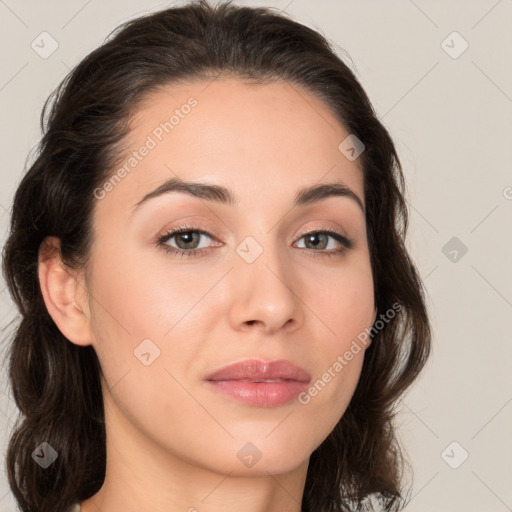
{"points": [[162, 322]]}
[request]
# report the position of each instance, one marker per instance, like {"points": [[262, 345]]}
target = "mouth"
{"points": [[260, 384], [265, 380], [255, 370]]}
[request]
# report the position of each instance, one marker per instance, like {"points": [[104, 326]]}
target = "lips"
{"points": [[254, 370], [258, 383]]}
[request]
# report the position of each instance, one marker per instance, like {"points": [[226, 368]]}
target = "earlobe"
{"points": [[62, 293]]}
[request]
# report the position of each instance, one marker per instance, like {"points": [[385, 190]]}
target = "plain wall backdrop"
{"points": [[439, 75]]}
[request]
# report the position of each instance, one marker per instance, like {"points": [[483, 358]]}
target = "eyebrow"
{"points": [[224, 195]]}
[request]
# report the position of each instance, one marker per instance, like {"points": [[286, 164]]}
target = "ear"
{"points": [[64, 293]]}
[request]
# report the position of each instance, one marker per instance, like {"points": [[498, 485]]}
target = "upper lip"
{"points": [[254, 369]]}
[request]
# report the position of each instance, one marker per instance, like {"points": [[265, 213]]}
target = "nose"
{"points": [[266, 295]]}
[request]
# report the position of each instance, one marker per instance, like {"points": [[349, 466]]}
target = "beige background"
{"points": [[451, 119]]}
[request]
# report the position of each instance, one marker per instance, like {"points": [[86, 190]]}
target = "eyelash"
{"points": [[345, 242]]}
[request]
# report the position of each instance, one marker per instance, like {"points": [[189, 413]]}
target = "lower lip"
{"points": [[260, 394]]}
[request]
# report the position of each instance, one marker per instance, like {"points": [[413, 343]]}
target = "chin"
{"points": [[259, 457]]}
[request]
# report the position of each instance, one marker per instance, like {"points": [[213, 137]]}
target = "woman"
{"points": [[218, 311]]}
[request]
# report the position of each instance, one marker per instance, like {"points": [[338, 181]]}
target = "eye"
{"points": [[187, 239], [320, 239]]}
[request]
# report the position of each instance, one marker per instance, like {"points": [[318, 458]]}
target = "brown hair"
{"points": [[56, 384]]}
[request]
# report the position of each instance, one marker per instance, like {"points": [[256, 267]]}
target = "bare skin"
{"points": [[172, 442]]}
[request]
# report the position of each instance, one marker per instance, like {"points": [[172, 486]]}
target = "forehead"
{"points": [[252, 138]]}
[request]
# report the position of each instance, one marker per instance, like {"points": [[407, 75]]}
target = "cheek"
{"points": [[135, 324], [139, 298], [148, 318], [344, 301], [346, 310]]}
